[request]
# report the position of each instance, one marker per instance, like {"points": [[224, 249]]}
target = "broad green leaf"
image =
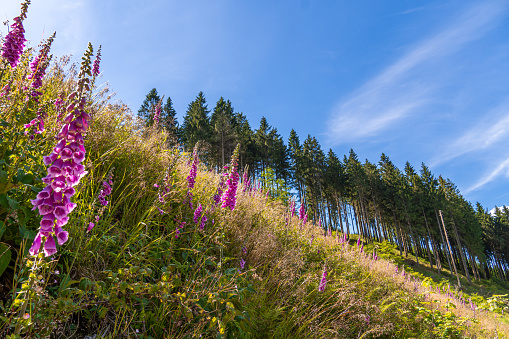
{"points": [[5, 257]]}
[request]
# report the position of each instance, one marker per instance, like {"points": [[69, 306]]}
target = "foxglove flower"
{"points": [[203, 221], [197, 214], [104, 193], [64, 169], [302, 211], [95, 67], [194, 169], [37, 124], [5, 90], [157, 114], [15, 39], [178, 228], [242, 263], [323, 282], [246, 181], [292, 207], [38, 67], [229, 198]]}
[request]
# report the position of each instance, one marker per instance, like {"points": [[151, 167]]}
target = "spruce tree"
{"points": [[222, 125], [147, 109], [169, 121], [196, 126]]}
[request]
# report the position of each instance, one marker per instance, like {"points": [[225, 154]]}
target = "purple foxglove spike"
{"points": [[36, 203], [58, 197], [78, 156], [14, 43], [70, 207], [62, 236], [203, 221], [90, 226], [45, 193], [323, 281], [54, 171], [62, 221], [47, 223], [73, 129], [301, 211], [95, 67], [45, 209], [49, 159], [197, 214], [66, 154], [57, 149], [79, 170], [60, 212], [64, 131], [73, 180], [36, 245], [50, 247]]}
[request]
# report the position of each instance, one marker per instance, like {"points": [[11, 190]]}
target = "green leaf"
{"points": [[5, 257], [3, 227], [3, 200], [12, 203], [3, 177], [28, 178]]}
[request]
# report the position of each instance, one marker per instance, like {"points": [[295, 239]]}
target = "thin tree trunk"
{"points": [[450, 250], [411, 234], [460, 249], [443, 242], [339, 216], [399, 235]]}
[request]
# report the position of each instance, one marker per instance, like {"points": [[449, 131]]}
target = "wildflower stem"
{"points": [[17, 330]]}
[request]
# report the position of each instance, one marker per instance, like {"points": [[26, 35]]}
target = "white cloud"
{"points": [[398, 90], [502, 169], [492, 129], [72, 20]]}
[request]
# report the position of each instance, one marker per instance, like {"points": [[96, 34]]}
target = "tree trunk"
{"points": [[443, 242], [399, 235], [460, 249], [429, 240], [339, 216], [412, 235], [345, 210], [450, 250]]}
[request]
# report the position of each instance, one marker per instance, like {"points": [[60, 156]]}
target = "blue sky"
{"points": [[423, 81]]}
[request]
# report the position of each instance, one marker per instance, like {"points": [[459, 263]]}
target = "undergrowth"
{"points": [[153, 250]]}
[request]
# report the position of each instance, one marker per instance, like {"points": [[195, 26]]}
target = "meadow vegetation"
{"points": [[153, 244]]}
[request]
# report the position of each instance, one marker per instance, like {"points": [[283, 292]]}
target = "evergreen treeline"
{"points": [[423, 215]]}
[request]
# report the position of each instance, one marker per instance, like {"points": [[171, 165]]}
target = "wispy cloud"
{"points": [[412, 10], [72, 20], [399, 91], [492, 129], [501, 169]]}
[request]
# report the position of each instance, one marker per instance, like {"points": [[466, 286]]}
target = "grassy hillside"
{"points": [[141, 240], [141, 272]]}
